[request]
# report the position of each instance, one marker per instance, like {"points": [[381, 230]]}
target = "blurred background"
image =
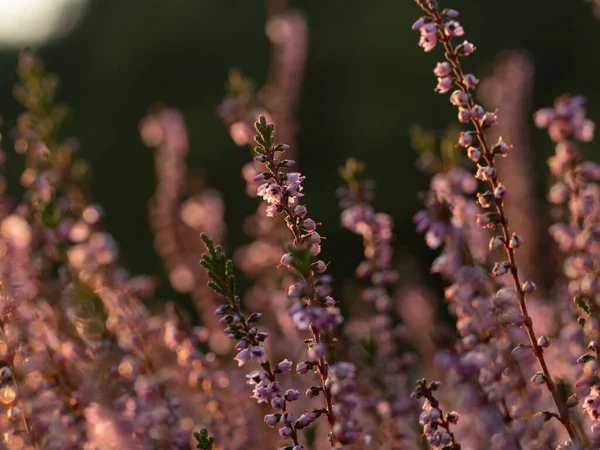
{"points": [[365, 83]]}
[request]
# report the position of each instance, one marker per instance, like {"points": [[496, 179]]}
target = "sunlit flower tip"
{"points": [[444, 85], [500, 191], [453, 417], [302, 368], [465, 139], [278, 402], [501, 268], [298, 447], [544, 117], [450, 13], [464, 115], [241, 345], [258, 354], [242, 357], [312, 391], [300, 211], [459, 98], [477, 112], [428, 41], [309, 225], [453, 28], [319, 266], [465, 49], [262, 176], [442, 69], [418, 24], [515, 241], [272, 419], [284, 366], [539, 378], [285, 432], [287, 163], [5, 374], [291, 395], [501, 148], [487, 220], [330, 302], [496, 242], [474, 153], [489, 119], [296, 290], [485, 199], [287, 259], [543, 341], [471, 81], [528, 287]]}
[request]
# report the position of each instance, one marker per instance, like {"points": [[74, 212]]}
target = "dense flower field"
{"points": [[88, 361]]}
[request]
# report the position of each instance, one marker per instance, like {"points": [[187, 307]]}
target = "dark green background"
{"points": [[366, 82]]}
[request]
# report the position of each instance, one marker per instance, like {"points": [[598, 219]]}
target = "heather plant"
{"points": [[271, 356]]}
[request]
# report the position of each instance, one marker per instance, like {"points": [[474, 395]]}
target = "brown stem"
{"points": [[488, 155]]}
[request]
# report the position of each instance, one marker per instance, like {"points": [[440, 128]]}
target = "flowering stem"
{"points": [[452, 55], [293, 222]]}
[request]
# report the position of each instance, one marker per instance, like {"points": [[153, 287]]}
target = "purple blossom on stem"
{"points": [[487, 172]]}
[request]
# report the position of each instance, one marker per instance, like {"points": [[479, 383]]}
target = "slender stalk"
{"points": [[488, 154]]}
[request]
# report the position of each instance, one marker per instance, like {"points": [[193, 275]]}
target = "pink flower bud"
{"points": [[443, 69], [459, 98]]}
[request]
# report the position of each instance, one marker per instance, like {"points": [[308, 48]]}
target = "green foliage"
{"points": [[205, 442], [219, 268]]}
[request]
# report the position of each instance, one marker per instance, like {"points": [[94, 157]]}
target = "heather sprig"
{"points": [[314, 308], [436, 425], [441, 27], [250, 346]]}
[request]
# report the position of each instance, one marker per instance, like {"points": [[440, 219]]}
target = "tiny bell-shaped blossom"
{"points": [[459, 98], [496, 242], [501, 268], [284, 366], [465, 49], [515, 241], [474, 153], [296, 290], [309, 225], [313, 391], [291, 395], [501, 148], [278, 403], [453, 28], [450, 13], [272, 419], [258, 354], [471, 81], [300, 210], [486, 173], [487, 220], [477, 112], [442, 69], [500, 191], [319, 266], [485, 199], [539, 378], [242, 357], [489, 119], [528, 287], [287, 259], [543, 341], [465, 139], [444, 85], [421, 21], [453, 417], [285, 432], [464, 115], [302, 367]]}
